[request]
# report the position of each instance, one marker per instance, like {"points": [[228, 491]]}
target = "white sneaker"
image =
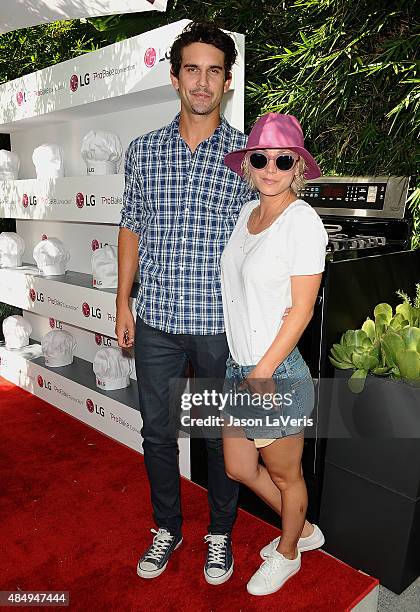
{"points": [[273, 573], [311, 542]]}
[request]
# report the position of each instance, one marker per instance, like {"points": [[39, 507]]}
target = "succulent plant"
{"points": [[388, 345]]}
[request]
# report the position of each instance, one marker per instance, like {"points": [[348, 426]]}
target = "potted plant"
{"points": [[388, 345], [383, 358], [370, 508]]}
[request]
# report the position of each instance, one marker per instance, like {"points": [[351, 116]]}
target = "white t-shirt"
{"points": [[256, 271]]}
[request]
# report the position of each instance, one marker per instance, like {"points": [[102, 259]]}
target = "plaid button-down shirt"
{"points": [[184, 207]]}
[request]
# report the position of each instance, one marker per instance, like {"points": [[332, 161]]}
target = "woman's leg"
{"points": [[241, 464], [283, 461]]}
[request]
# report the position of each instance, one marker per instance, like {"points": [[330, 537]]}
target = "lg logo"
{"points": [[88, 311], [36, 296], [99, 339], [98, 245], [43, 383], [151, 55], [81, 200], [28, 200], [21, 97], [55, 324], [94, 408], [80, 80]]}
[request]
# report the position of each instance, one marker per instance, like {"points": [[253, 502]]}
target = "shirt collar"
{"points": [[218, 133]]}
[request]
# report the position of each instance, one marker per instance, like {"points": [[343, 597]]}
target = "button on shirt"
{"points": [[184, 207]]}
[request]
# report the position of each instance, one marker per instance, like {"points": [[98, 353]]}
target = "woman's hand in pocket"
{"points": [[260, 382]]}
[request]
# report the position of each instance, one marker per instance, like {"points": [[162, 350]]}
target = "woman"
{"points": [[273, 262]]}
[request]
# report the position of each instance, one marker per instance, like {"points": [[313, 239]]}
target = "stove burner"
{"points": [[341, 242], [332, 229], [373, 240]]}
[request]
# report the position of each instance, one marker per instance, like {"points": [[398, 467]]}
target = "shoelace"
{"points": [[217, 548], [160, 544], [270, 565]]}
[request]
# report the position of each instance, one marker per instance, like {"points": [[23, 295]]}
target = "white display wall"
{"points": [[123, 88]]}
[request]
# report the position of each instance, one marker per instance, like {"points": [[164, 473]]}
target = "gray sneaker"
{"points": [[154, 561]]}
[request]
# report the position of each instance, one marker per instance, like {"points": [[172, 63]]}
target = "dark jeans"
{"points": [[161, 356]]}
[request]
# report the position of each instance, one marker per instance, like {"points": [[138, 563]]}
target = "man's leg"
{"points": [[158, 359], [208, 355]]}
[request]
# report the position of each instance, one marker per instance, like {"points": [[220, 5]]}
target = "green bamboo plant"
{"points": [[348, 70], [387, 345]]}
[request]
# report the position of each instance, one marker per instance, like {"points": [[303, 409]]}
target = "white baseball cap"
{"points": [[48, 160], [16, 331], [58, 346], [51, 257], [102, 152], [9, 164], [105, 267], [12, 247], [112, 368]]}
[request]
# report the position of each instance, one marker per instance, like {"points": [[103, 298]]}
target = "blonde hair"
{"points": [[298, 182]]}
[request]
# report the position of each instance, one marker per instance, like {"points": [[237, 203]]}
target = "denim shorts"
{"points": [[284, 413]]}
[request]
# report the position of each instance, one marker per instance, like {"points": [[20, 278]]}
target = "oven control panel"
{"points": [[382, 197], [345, 195]]}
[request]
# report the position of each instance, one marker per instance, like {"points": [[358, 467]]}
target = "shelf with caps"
{"points": [[80, 372], [81, 199], [70, 297], [73, 390], [87, 342]]}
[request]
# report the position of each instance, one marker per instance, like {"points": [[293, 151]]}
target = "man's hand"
{"points": [[124, 327]]}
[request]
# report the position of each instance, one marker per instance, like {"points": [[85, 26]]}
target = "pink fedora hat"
{"points": [[275, 131]]}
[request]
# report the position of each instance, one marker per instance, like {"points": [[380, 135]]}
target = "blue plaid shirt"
{"points": [[184, 207]]}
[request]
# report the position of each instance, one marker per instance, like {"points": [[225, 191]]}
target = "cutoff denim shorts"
{"points": [[285, 415]]}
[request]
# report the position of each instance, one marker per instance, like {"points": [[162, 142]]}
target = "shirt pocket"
{"points": [[222, 195]]}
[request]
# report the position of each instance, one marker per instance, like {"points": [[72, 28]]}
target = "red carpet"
{"points": [[75, 515]]}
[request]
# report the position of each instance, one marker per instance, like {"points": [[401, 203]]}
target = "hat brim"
{"points": [[234, 161]]}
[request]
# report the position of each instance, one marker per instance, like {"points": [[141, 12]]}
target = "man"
{"points": [[180, 206]]}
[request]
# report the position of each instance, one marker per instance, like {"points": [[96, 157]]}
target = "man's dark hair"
{"points": [[204, 32]]}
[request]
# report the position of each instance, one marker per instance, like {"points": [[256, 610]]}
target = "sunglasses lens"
{"points": [[285, 162], [258, 161]]}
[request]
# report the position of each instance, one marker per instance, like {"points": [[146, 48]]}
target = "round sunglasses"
{"points": [[283, 162]]}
